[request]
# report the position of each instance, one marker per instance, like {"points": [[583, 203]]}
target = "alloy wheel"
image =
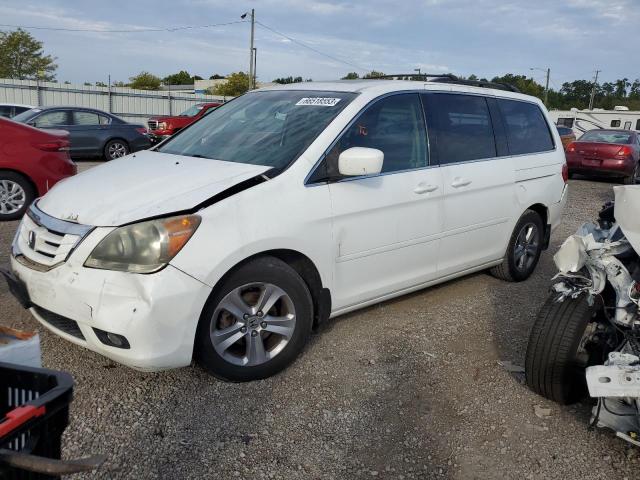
{"points": [[12, 197], [526, 247], [252, 324], [117, 150]]}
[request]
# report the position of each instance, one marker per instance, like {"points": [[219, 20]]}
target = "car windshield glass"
{"points": [[603, 136], [25, 116], [269, 128], [191, 112]]}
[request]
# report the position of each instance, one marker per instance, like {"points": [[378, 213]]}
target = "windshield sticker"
{"points": [[281, 116], [318, 101]]}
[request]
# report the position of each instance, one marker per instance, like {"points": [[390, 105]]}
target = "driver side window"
{"points": [[395, 126]]}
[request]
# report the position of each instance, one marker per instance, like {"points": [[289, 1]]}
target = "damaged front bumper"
{"points": [[157, 314]]}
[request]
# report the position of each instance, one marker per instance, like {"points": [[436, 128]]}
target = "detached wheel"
{"points": [[115, 149], [523, 251], [256, 323], [16, 194], [566, 338]]}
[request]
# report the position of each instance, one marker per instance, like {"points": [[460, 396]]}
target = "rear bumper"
{"points": [[614, 167]]}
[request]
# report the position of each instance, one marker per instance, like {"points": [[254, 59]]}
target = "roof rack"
{"points": [[450, 78]]}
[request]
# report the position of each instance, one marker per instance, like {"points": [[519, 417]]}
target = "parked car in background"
{"points": [[162, 127], [566, 135], [31, 162], [611, 153], [93, 133], [288, 206], [9, 110]]}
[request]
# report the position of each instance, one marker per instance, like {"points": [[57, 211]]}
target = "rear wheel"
{"points": [[16, 194], [115, 149], [566, 338], [256, 323], [524, 249]]}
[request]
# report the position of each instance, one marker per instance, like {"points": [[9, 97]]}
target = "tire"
{"points": [[240, 360], [115, 148], [552, 368], [16, 194], [511, 270]]}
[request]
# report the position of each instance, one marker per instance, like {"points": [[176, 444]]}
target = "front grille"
{"points": [[153, 124], [63, 324], [45, 241]]}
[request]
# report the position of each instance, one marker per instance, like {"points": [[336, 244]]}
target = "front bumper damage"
{"points": [[157, 313]]}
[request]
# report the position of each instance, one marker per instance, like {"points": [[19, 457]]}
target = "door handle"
{"points": [[421, 188], [460, 182]]}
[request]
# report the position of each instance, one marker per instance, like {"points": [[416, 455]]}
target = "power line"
{"points": [[297, 42], [138, 30]]}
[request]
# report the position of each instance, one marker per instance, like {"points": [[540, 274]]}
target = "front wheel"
{"points": [[115, 149], [256, 323], [566, 338], [523, 250]]}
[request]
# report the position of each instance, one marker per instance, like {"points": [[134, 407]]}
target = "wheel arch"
{"points": [[307, 270], [543, 211]]}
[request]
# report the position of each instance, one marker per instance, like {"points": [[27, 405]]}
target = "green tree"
{"points": [[181, 78], [87, 84], [215, 76], [287, 80], [374, 74], [237, 83], [22, 57], [101, 84], [145, 81], [351, 76], [526, 85]]}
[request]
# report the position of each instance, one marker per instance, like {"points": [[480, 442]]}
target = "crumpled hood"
{"points": [[142, 185]]}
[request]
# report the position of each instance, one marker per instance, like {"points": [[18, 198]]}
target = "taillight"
{"points": [[624, 151], [565, 172], [141, 131], [53, 146], [571, 147]]}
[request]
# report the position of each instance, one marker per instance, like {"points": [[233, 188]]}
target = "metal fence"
{"points": [[127, 103]]}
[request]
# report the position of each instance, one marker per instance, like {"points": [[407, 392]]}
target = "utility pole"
{"points": [[593, 92], [251, 73], [546, 88]]}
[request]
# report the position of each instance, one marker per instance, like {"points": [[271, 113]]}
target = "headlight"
{"points": [[143, 247], [162, 126]]}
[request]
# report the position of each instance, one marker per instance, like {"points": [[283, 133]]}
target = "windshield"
{"points": [[25, 116], [604, 136], [192, 112], [269, 128]]}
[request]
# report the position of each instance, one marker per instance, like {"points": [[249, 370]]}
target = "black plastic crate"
{"points": [[34, 412]]}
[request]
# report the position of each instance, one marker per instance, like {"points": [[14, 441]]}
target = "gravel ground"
{"points": [[410, 388]]}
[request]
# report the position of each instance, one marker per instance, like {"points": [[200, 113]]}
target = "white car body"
{"points": [[369, 238]]}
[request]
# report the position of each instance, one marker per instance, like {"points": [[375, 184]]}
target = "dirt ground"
{"points": [[410, 388]]}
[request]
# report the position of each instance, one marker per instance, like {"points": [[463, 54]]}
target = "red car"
{"points": [[31, 162], [611, 153], [165, 126]]}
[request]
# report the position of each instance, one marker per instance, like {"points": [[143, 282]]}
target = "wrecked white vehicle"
{"points": [[587, 335]]}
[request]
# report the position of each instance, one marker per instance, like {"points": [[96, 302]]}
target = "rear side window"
{"points": [[460, 127], [527, 129], [5, 111], [637, 124], [86, 118]]}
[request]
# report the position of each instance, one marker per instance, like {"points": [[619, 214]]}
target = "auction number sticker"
{"points": [[318, 101]]}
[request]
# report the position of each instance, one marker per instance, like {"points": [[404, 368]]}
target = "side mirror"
{"points": [[357, 161]]}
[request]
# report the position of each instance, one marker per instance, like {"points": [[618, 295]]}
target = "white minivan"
{"points": [[228, 242]]}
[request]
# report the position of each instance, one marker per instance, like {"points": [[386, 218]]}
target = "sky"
{"points": [[483, 37]]}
